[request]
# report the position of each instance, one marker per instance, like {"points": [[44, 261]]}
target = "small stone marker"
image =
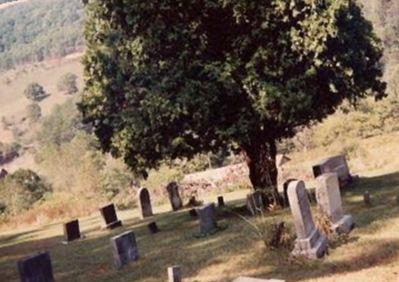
{"points": [[207, 219], [329, 201], [249, 279], [153, 227], [144, 202], [174, 274], [124, 248], [310, 243], [367, 198], [174, 196], [36, 268], [71, 231], [110, 218], [221, 201], [256, 202]]}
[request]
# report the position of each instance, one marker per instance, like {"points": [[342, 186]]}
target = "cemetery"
{"points": [[200, 141], [171, 243]]}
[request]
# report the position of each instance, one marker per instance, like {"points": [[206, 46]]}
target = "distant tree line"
{"points": [[6, 1], [37, 30]]}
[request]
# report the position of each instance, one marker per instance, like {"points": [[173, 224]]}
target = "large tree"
{"points": [[168, 79]]}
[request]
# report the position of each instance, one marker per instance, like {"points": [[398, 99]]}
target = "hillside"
{"points": [[34, 31]]}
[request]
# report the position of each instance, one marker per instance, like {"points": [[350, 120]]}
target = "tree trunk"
{"points": [[261, 161]]}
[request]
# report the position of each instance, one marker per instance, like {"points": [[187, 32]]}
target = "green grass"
{"points": [[370, 253]]}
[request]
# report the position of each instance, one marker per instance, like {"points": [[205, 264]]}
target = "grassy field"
{"points": [[370, 253]]}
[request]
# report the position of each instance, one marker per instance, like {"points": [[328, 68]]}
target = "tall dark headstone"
{"points": [[124, 248], [207, 219], [71, 231], [220, 201], [174, 196], [110, 218], [36, 268], [144, 203]]}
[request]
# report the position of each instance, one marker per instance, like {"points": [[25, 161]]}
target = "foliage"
{"points": [[68, 84], [35, 92], [61, 126], [6, 1], [68, 154], [20, 190], [164, 81], [40, 29], [33, 112]]}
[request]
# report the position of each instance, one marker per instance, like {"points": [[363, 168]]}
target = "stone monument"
{"points": [[310, 243]]}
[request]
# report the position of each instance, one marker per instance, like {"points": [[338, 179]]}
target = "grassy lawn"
{"points": [[369, 254]]}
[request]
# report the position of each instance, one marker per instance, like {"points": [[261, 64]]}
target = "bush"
{"points": [[33, 112], [67, 83], [21, 190], [35, 92]]}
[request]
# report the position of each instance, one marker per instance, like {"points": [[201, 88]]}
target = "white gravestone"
{"points": [[329, 201], [310, 243]]}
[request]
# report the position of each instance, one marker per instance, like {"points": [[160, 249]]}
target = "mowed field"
{"points": [[14, 82], [369, 253]]}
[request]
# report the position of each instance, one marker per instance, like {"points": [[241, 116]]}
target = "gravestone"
{"points": [[174, 274], [256, 202], [71, 231], [330, 203], [286, 203], [124, 248], [193, 213], [250, 279], [221, 201], [110, 218], [144, 203], [174, 196], [153, 227], [36, 268], [337, 164], [367, 198], [310, 243], [207, 219]]}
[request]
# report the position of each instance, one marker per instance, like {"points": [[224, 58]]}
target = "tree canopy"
{"points": [[167, 80]]}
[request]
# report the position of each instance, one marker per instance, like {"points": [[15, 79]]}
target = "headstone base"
{"points": [[313, 247], [66, 242], [113, 225], [345, 225]]}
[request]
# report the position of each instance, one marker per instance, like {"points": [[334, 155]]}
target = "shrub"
{"points": [[21, 190], [67, 83], [35, 92], [33, 112]]}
